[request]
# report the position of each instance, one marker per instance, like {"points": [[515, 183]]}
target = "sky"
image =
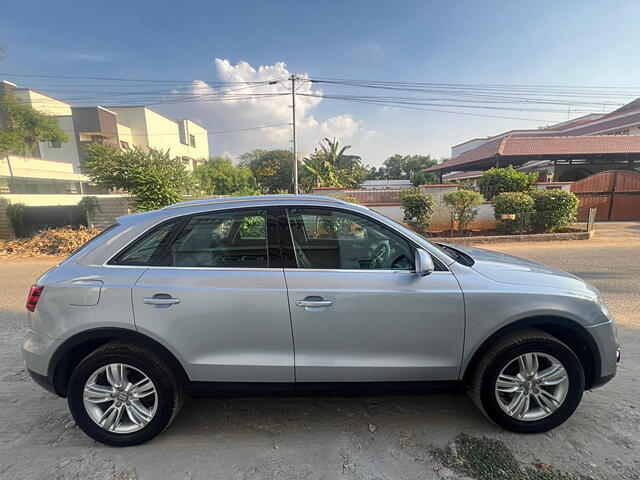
{"points": [[566, 43]]}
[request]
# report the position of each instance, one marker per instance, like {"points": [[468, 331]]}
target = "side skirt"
{"points": [[310, 389]]}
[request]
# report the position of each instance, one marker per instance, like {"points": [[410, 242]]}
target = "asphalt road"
{"points": [[352, 438]]}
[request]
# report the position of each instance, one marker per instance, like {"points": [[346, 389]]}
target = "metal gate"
{"points": [[615, 193]]}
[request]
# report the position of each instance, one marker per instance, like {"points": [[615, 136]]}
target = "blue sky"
{"points": [[490, 42]]}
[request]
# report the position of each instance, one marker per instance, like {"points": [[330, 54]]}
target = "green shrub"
{"points": [[418, 209], [513, 203], [498, 180], [463, 205], [87, 207], [15, 212], [555, 209]]}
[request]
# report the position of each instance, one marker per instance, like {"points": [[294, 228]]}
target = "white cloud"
{"points": [[237, 113]]}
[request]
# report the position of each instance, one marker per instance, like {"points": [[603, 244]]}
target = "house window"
{"points": [[124, 144], [54, 144], [192, 140]]}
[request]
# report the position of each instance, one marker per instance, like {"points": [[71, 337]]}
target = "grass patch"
{"points": [[488, 459]]}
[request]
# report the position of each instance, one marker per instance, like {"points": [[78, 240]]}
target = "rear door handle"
{"points": [[313, 303], [163, 300]]}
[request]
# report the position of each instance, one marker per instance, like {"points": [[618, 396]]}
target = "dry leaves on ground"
{"points": [[53, 241]]}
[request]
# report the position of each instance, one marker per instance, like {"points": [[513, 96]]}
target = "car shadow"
{"points": [[438, 412]]}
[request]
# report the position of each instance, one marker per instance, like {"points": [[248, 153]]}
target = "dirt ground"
{"points": [[327, 438]]}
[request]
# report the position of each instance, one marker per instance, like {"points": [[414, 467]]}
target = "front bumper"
{"points": [[609, 351], [43, 381]]}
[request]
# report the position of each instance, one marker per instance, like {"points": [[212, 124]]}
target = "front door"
{"points": [[214, 298], [359, 312]]}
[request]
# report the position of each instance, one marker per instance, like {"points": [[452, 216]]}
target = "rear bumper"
{"points": [[37, 349]]}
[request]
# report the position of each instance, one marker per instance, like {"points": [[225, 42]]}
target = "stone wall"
{"points": [[110, 209]]}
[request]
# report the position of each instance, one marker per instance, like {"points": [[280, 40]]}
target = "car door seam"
{"points": [[293, 338], [133, 308]]}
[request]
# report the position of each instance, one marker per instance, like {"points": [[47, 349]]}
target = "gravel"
{"points": [[326, 437]]}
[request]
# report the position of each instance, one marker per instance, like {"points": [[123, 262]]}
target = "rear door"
{"points": [[214, 298], [358, 310]]}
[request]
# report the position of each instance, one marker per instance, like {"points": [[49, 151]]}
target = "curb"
{"points": [[536, 237]]}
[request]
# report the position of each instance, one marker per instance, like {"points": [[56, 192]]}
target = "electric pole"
{"points": [[295, 150]]}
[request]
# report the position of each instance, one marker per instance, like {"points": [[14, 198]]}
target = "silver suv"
{"points": [[304, 295]]}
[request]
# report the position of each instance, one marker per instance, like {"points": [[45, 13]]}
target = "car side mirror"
{"points": [[424, 263]]}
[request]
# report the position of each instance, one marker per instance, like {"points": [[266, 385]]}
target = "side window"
{"points": [[145, 249], [331, 239], [222, 239]]}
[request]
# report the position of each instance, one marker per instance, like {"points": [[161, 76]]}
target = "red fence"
{"points": [[615, 193]]}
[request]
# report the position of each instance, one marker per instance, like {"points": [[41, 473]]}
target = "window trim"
{"points": [[441, 267], [181, 222]]}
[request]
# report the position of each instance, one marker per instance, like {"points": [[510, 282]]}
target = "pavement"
{"points": [[329, 437]]}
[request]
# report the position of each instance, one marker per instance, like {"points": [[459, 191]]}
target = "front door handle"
{"points": [[313, 303], [161, 299]]}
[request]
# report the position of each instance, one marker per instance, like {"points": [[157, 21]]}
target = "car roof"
{"points": [[256, 199], [205, 204]]}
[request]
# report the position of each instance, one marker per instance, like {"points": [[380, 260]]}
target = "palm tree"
{"points": [[330, 167]]}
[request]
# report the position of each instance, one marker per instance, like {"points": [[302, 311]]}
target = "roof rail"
{"points": [[263, 198]]}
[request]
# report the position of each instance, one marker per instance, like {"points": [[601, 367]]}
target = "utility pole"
{"points": [[295, 150]]}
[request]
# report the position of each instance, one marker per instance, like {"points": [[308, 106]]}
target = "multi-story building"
{"points": [[50, 183], [55, 166]]}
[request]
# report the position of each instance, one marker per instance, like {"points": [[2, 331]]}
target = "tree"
{"points": [[406, 167], [23, 127], [329, 166], [418, 209], [463, 205], [218, 176], [153, 177], [272, 169], [498, 180]]}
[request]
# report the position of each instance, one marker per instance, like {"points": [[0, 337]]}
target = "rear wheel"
{"points": [[528, 382], [123, 394]]}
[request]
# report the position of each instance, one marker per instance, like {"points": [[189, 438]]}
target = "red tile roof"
{"points": [[592, 144], [514, 146]]}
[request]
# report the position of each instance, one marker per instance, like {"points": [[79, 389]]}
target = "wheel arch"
{"points": [[571, 333], [73, 350]]}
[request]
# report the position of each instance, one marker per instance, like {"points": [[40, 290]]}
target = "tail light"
{"points": [[34, 296]]}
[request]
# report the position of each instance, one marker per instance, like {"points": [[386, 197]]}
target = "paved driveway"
{"points": [[354, 438]]}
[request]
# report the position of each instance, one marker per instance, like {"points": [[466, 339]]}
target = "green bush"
{"points": [[498, 180], [418, 209], [87, 207], [15, 212], [555, 209], [152, 176], [513, 203], [463, 205]]}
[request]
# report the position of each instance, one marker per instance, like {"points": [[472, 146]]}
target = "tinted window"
{"points": [[143, 250], [331, 239], [223, 239]]}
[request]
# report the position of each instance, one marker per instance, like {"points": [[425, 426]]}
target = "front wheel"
{"points": [[123, 394], [528, 382]]}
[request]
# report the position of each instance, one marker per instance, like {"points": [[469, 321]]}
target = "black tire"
{"points": [[482, 389], [170, 392]]}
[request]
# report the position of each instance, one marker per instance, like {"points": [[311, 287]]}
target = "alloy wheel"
{"points": [[120, 398], [532, 386]]}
